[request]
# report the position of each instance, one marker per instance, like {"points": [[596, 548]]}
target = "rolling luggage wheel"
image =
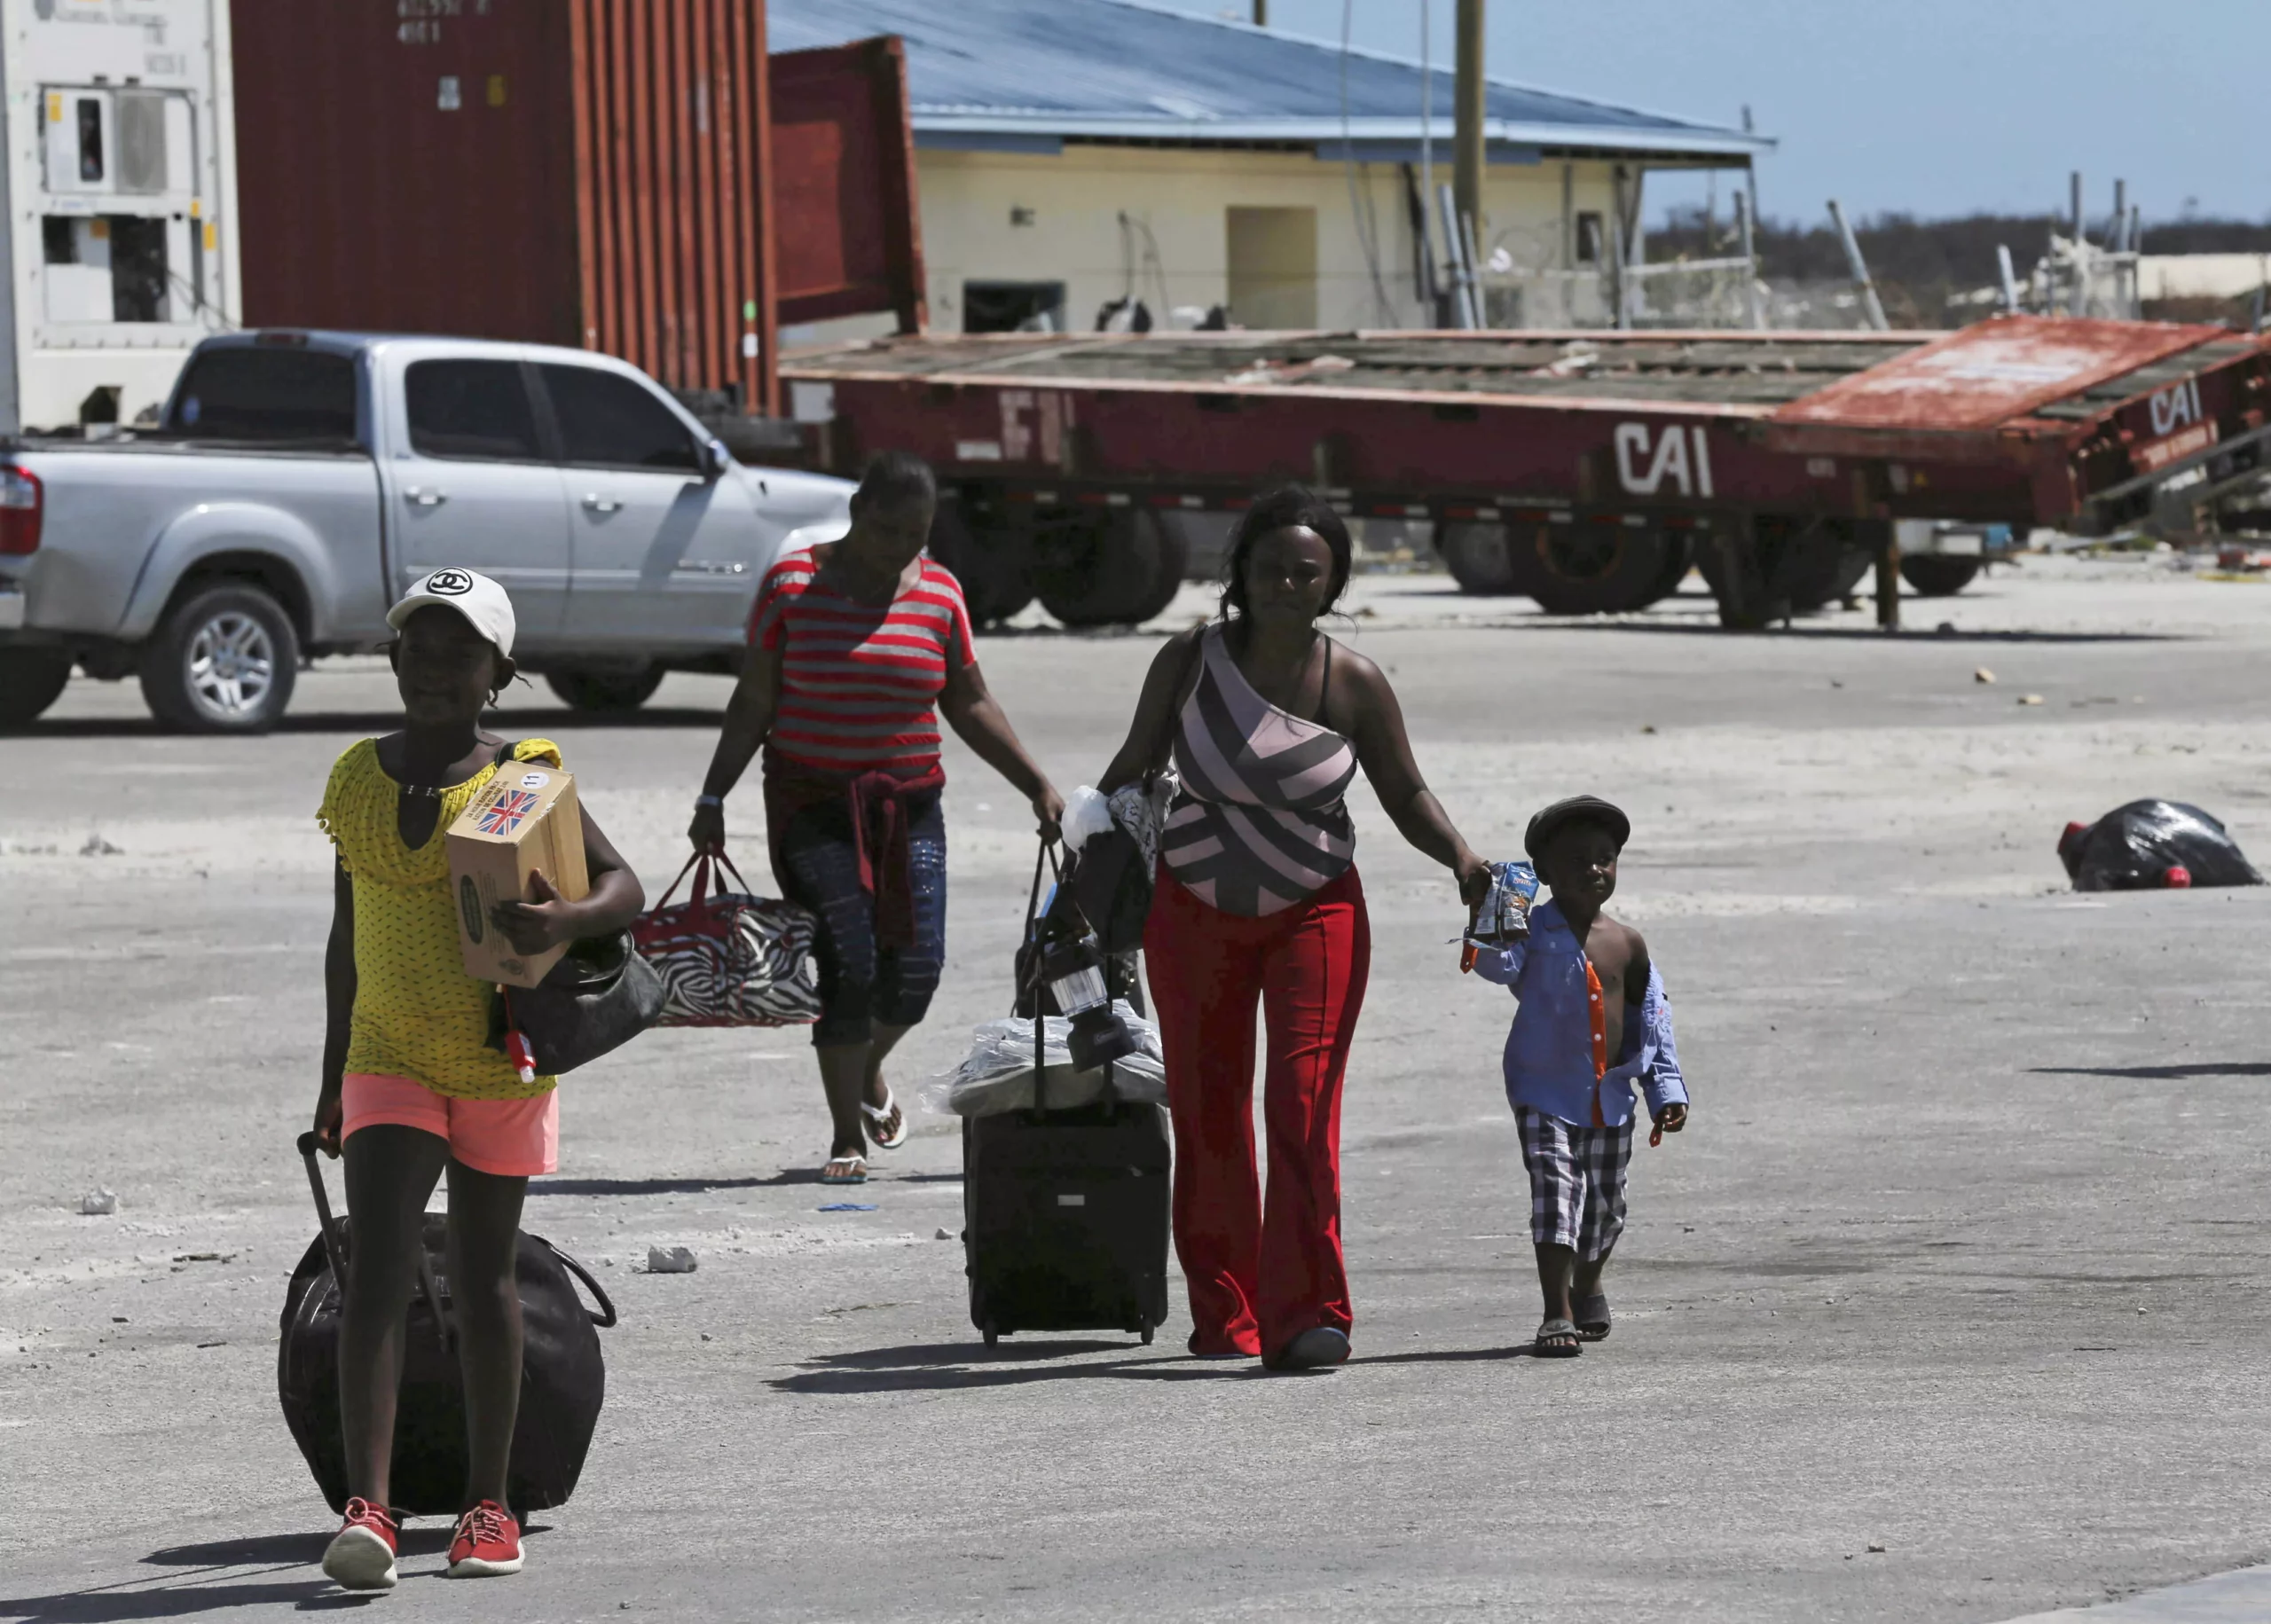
{"points": [[993, 1334], [1147, 1335]]}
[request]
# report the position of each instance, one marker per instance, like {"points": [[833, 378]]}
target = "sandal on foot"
{"points": [[887, 1128], [1556, 1339], [1591, 1316], [849, 1168]]}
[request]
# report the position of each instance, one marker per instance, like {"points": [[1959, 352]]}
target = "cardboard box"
{"points": [[524, 819]]}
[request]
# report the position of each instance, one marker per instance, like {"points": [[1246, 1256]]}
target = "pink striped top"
{"points": [[860, 682]]}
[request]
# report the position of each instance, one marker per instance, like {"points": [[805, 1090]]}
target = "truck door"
{"points": [[665, 558], [472, 487]]}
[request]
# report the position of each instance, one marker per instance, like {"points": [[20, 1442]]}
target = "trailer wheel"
{"points": [[1939, 575], [224, 661], [605, 690], [994, 563], [1480, 557], [1679, 558], [1828, 574], [1119, 568], [1598, 569], [32, 678]]}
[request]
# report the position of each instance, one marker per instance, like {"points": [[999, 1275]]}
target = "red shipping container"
{"points": [[579, 172], [843, 184]]}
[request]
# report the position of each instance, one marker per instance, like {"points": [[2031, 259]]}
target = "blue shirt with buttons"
{"points": [[1549, 1049]]}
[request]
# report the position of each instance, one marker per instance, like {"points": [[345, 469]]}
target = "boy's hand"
{"points": [[536, 926], [1671, 1118], [330, 1114]]}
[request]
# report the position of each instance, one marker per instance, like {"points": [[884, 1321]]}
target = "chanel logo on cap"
{"points": [[449, 583]]}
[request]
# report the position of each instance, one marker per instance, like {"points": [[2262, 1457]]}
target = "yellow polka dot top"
{"points": [[417, 1013]]}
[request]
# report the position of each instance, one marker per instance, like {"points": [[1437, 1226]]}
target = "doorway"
{"points": [[1272, 260]]}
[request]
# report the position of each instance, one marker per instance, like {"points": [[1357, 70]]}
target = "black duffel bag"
{"points": [[564, 1378]]}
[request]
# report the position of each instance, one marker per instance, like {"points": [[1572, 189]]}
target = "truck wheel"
{"points": [[1828, 572], [602, 690], [1732, 569], [994, 563], [1480, 557], [1679, 558], [1939, 575], [31, 678], [223, 662], [1599, 568], [1120, 569]]}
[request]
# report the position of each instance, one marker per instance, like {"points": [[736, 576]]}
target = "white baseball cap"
{"points": [[479, 600]]}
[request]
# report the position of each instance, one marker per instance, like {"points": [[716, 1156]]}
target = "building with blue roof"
{"points": [[1078, 156]]}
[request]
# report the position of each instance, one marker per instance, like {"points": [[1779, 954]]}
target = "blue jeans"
{"points": [[862, 986]]}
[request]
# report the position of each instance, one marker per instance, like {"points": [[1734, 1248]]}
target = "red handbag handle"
{"points": [[700, 867]]}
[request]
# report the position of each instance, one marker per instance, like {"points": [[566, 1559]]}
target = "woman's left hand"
{"points": [[538, 927], [1047, 808]]}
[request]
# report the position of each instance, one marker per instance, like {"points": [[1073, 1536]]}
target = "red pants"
{"points": [[1258, 1277]]}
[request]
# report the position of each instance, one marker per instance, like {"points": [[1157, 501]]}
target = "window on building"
{"points": [[1013, 307], [1591, 243]]}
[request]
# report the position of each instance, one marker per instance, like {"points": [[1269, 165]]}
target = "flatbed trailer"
{"points": [[1586, 469]]}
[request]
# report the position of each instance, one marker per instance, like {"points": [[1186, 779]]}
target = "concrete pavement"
{"points": [[1959, 1258]]}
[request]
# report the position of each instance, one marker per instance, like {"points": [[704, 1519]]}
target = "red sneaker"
{"points": [[360, 1555], [488, 1543]]}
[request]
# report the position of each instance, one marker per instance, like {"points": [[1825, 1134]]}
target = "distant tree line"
{"points": [[1918, 264]]}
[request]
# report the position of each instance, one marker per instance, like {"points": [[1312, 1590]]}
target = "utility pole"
{"points": [[1466, 142], [1261, 14]]}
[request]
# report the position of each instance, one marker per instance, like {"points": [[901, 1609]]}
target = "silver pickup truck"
{"points": [[298, 482]]}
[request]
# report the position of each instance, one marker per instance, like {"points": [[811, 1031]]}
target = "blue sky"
{"points": [[1926, 107]]}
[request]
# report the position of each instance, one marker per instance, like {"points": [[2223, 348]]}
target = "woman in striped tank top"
{"points": [[856, 648], [1268, 720]]}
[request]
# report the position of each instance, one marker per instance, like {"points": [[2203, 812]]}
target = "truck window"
{"points": [[476, 408], [259, 393], [607, 420]]}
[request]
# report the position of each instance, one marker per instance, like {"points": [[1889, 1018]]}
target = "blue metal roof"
{"points": [[1021, 74]]}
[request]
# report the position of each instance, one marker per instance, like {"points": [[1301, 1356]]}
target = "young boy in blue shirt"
{"points": [[1588, 996]]}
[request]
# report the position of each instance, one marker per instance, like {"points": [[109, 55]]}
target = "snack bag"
{"points": [[1503, 917]]}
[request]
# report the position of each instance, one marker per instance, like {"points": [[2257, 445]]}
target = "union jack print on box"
{"points": [[505, 815]]}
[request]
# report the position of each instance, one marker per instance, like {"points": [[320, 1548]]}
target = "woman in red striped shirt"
{"points": [[855, 649]]}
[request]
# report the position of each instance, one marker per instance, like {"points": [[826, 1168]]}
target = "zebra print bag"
{"points": [[730, 959]]}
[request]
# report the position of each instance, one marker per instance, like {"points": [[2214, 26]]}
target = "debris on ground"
{"points": [[669, 1261], [98, 1203], [1983, 675], [849, 1206], [2030, 699], [2152, 846], [943, 1236], [97, 846], [1876, 1548]]}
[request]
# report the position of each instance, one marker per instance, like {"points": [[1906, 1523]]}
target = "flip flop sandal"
{"points": [[854, 1161], [881, 1115], [1591, 1316], [1556, 1339]]}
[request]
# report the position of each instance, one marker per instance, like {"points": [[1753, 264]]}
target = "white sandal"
{"points": [[880, 1116], [853, 1161]]}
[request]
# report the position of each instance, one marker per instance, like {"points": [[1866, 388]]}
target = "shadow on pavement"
{"points": [[2208, 1068], [697, 1187], [183, 1600], [944, 1366], [1448, 1355]]}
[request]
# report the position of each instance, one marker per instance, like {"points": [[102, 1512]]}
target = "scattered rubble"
{"points": [[669, 1261], [98, 1203]]}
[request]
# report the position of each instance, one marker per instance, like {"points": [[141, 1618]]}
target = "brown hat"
{"points": [[1577, 809]]}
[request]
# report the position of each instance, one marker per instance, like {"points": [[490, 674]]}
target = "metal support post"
{"points": [[1889, 581], [1467, 93], [1752, 305], [1870, 303], [2010, 278], [1466, 305]]}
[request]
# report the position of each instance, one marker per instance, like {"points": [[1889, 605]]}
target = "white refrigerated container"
{"points": [[120, 203]]}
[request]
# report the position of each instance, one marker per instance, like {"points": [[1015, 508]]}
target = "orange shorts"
{"points": [[513, 1139]]}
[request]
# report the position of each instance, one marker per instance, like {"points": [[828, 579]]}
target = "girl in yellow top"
{"points": [[409, 1083]]}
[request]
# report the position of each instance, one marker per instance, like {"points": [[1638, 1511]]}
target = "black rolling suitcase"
{"points": [[1066, 1212], [564, 1378]]}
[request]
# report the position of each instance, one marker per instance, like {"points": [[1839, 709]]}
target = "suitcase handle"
{"points": [[334, 1242], [1046, 858]]}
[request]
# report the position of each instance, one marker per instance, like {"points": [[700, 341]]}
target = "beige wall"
{"points": [[1183, 197]]}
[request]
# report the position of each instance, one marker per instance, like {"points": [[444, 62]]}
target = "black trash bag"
{"points": [[2143, 845]]}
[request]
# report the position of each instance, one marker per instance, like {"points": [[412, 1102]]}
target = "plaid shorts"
{"points": [[1576, 1180]]}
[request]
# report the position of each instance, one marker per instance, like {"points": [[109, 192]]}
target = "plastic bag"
{"points": [[996, 1076], [2149, 844]]}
